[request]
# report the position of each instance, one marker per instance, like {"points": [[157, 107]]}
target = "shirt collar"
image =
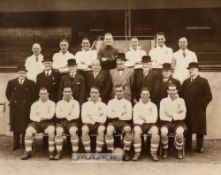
{"points": [[177, 96], [138, 48], [69, 100], [164, 46], [140, 101]]}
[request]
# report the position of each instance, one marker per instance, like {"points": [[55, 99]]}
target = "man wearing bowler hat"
{"points": [[75, 81], [165, 80], [145, 77], [21, 93], [49, 79], [122, 75], [197, 95]]}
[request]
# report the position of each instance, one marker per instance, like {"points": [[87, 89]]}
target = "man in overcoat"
{"points": [[197, 95], [21, 93]]}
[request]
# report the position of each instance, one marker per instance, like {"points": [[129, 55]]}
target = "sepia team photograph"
{"points": [[105, 87]]}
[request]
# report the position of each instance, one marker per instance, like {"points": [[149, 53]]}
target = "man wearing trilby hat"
{"points": [[197, 95]]}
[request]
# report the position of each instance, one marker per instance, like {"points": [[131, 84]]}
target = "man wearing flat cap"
{"points": [[49, 79], [122, 75], [75, 81], [197, 95], [21, 93], [145, 77], [165, 80]]}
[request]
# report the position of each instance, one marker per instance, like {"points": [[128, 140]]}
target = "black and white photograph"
{"points": [[94, 87]]}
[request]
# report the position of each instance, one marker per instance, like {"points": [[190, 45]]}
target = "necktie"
{"points": [[184, 54], [20, 82], [47, 74], [36, 58], [95, 74]]}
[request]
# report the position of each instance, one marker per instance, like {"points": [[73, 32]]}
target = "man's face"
{"points": [[120, 64], [108, 40], [183, 43], [47, 65], [36, 49], [172, 91], [193, 72], [96, 67], [22, 74], [85, 44], [160, 40], [119, 92], [145, 96], [94, 94], [72, 68], [134, 43], [166, 73], [146, 65], [67, 93], [43, 95], [64, 46]]}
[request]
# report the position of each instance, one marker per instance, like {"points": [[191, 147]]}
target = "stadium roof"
{"points": [[82, 5]]}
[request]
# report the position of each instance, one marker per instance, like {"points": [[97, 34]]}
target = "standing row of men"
{"points": [[107, 53]]}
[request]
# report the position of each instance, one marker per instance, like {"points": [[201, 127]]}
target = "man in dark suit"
{"points": [[49, 79], [100, 79], [165, 80], [75, 81], [21, 93], [145, 77], [197, 95]]}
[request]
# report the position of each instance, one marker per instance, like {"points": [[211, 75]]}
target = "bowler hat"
{"points": [[193, 65], [167, 66], [121, 56], [146, 59], [21, 68], [72, 62], [48, 59]]}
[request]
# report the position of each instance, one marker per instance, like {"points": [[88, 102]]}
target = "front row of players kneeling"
{"points": [[106, 120]]}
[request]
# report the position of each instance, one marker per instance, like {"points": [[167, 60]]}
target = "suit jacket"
{"points": [[102, 81], [51, 83], [77, 85], [20, 99], [126, 79], [163, 86], [151, 81], [197, 95]]}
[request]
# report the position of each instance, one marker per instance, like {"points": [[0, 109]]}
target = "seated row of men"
{"points": [[106, 120]]}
